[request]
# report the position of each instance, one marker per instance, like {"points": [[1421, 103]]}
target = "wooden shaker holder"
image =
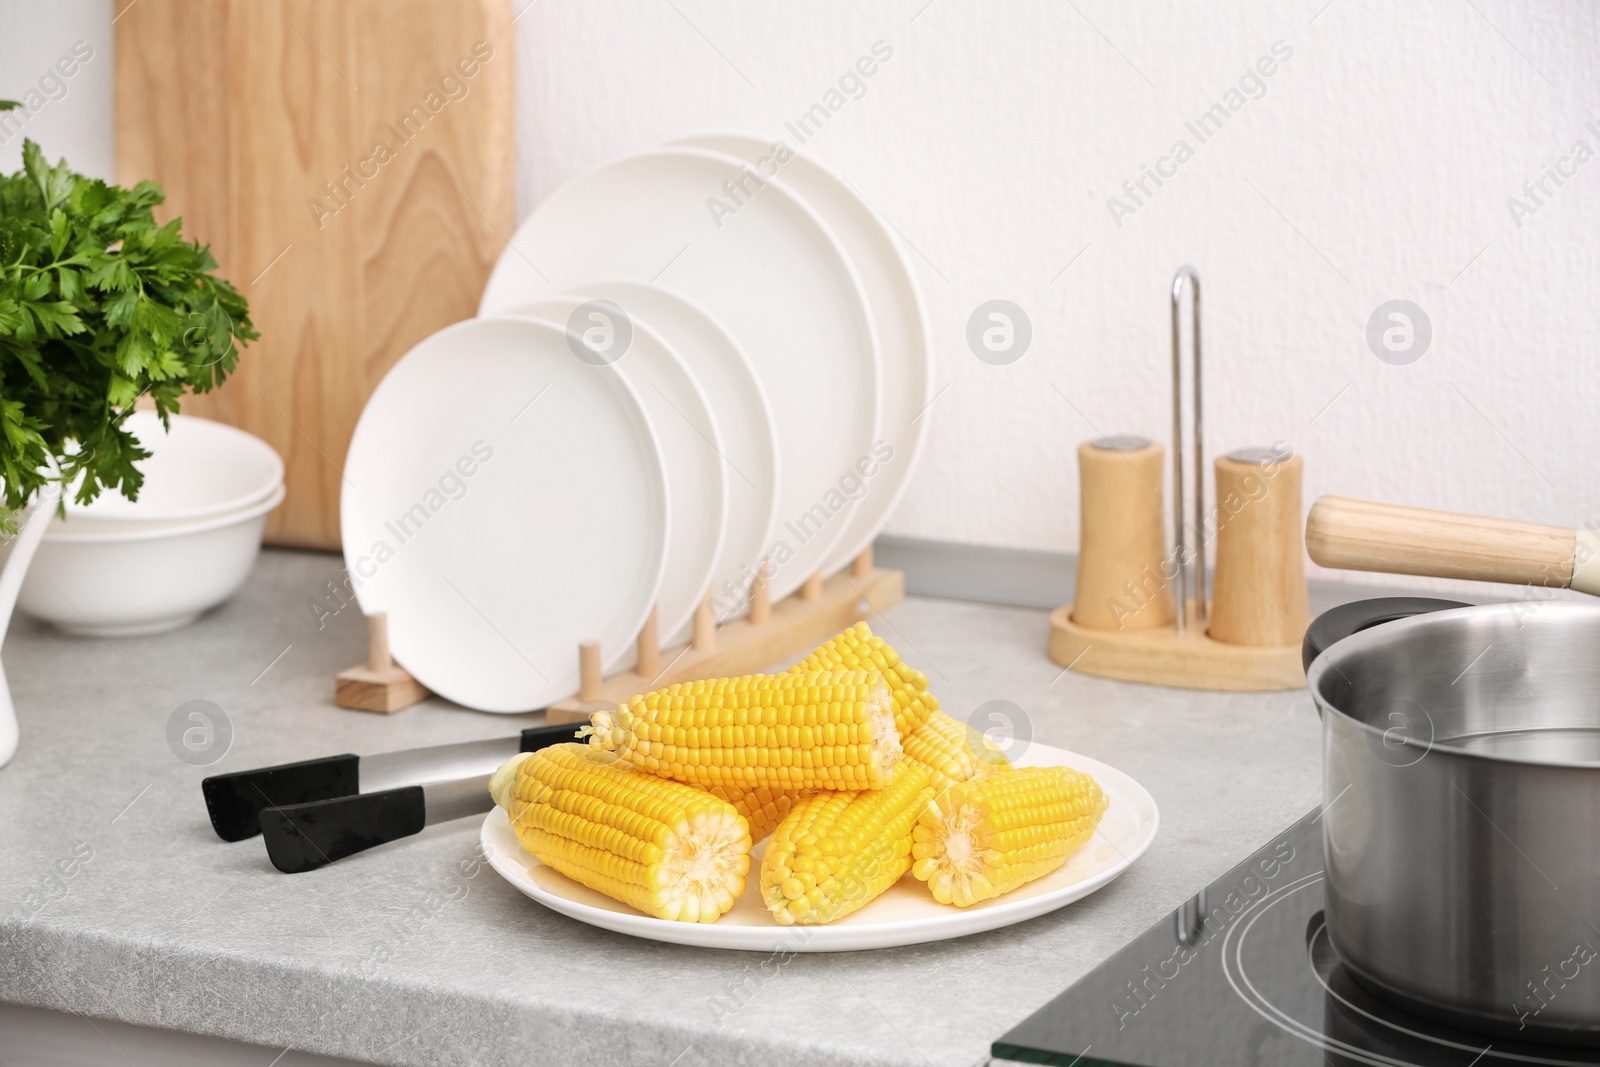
{"points": [[1142, 613]]}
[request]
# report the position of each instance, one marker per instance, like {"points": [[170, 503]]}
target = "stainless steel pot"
{"points": [[1461, 750]]}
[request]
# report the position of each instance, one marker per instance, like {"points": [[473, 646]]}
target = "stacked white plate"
{"points": [[119, 567], [687, 362]]}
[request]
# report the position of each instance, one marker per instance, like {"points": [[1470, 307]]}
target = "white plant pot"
{"points": [[17, 555]]}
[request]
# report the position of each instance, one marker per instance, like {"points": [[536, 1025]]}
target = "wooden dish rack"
{"points": [[766, 634]]}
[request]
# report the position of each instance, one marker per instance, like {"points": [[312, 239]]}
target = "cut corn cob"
{"points": [[856, 649], [668, 849], [952, 751], [792, 732], [836, 852], [762, 806], [990, 835]]}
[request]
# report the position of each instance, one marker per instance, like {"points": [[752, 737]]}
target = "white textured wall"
{"points": [[67, 95], [1376, 166]]}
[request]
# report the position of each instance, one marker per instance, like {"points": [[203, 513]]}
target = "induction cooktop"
{"points": [[1243, 975]]}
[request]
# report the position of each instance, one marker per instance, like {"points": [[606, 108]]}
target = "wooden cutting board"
{"points": [[350, 162]]}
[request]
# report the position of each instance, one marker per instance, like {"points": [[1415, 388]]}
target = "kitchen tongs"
{"points": [[316, 811]]}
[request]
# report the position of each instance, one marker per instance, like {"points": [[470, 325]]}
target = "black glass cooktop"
{"points": [[1243, 975]]}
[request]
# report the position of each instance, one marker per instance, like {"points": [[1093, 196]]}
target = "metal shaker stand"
{"points": [[1180, 525]]}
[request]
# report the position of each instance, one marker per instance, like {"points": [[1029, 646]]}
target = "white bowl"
{"points": [[200, 469], [143, 580]]}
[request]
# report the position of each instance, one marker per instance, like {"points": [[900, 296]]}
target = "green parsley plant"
{"points": [[99, 305]]}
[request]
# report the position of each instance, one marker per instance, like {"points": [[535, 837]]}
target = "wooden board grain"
{"points": [[351, 164], [1371, 535]]}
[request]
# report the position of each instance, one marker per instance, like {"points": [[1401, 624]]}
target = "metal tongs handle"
{"points": [[235, 800]]}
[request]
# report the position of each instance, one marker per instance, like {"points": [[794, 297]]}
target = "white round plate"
{"points": [[503, 500], [749, 443], [766, 267], [898, 313], [691, 449], [905, 915]]}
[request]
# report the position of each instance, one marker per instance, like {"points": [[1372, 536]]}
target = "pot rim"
{"points": [[1389, 632]]}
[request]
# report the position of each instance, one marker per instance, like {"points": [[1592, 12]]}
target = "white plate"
{"points": [[553, 531], [770, 272], [691, 450], [898, 314], [749, 442], [905, 915]]}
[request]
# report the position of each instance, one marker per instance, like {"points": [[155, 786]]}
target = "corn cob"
{"points": [[856, 649], [668, 849], [952, 751], [988, 836], [762, 806], [791, 732], [836, 852]]}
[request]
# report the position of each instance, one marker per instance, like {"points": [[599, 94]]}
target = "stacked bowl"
{"points": [[117, 567]]}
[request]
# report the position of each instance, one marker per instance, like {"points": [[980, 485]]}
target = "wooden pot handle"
{"points": [[1366, 535]]}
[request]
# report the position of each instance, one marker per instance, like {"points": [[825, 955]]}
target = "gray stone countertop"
{"points": [[117, 901]]}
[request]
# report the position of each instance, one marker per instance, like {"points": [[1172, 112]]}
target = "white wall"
{"points": [[68, 95], [1376, 166]]}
